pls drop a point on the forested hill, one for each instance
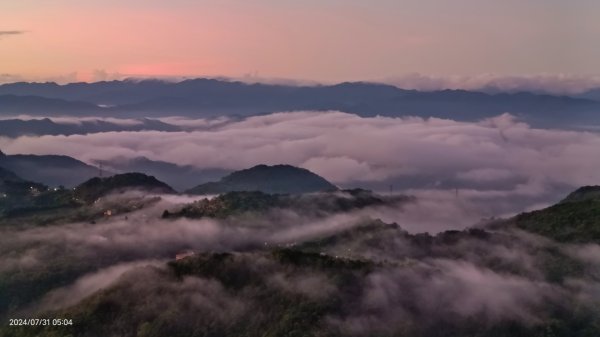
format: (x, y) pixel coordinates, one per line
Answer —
(268, 179)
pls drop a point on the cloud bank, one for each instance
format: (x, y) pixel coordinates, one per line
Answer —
(498, 155)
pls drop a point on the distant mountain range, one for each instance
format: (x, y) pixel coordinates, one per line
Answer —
(54, 171)
(51, 170)
(180, 177)
(43, 106)
(281, 179)
(32, 127)
(20, 199)
(209, 98)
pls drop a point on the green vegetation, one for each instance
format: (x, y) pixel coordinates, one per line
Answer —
(227, 296)
(21, 287)
(576, 219)
(361, 278)
(263, 294)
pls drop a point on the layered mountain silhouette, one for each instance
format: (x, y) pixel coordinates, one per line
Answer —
(45, 126)
(180, 177)
(210, 97)
(52, 170)
(278, 179)
(44, 106)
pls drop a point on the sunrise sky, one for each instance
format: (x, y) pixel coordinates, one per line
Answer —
(322, 40)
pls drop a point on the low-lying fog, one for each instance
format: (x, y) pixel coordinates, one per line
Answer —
(452, 275)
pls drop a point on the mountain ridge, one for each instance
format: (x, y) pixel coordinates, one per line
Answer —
(176, 176)
(97, 187)
(575, 219)
(210, 97)
(276, 179)
(53, 170)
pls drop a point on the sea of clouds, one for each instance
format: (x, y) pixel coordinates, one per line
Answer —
(499, 157)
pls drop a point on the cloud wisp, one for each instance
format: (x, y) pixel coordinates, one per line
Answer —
(4, 33)
(414, 282)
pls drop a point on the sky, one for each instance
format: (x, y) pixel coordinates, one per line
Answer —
(320, 40)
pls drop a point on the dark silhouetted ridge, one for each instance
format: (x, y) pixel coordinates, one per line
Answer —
(98, 187)
(277, 179)
(583, 193)
(52, 170)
